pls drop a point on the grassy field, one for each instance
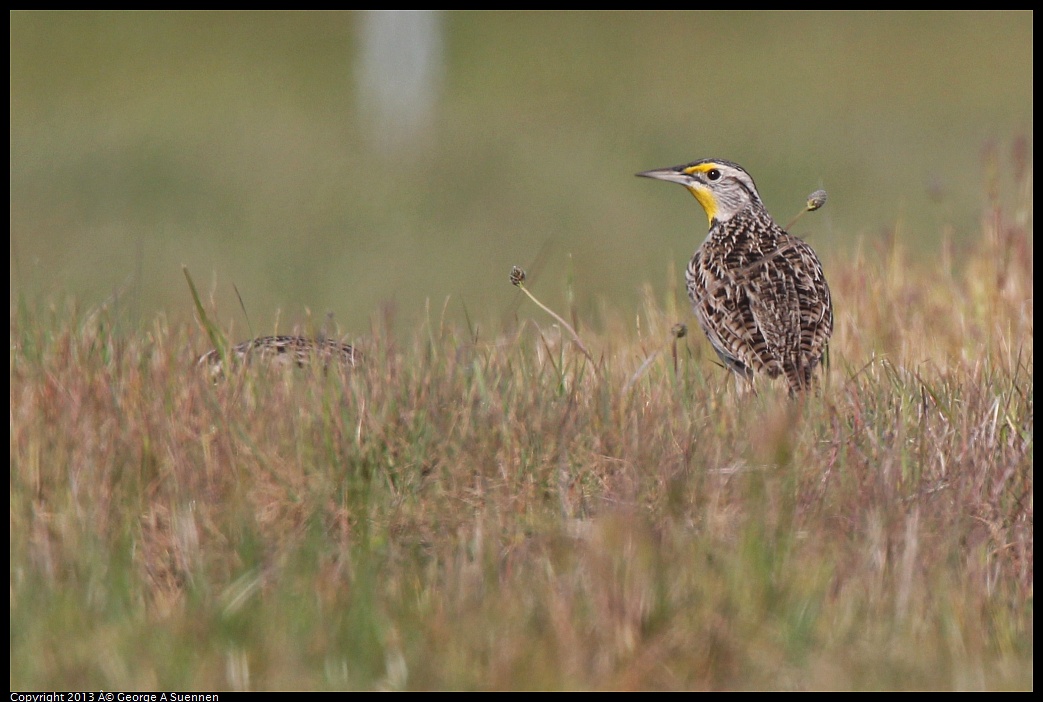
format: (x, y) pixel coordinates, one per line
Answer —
(473, 512)
(481, 504)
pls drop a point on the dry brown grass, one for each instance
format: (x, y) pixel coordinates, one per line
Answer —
(492, 513)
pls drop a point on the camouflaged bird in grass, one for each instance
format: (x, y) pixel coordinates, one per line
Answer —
(286, 350)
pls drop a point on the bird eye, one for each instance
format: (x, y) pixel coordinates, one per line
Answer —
(713, 174)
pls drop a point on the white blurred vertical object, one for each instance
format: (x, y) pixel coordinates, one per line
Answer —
(400, 72)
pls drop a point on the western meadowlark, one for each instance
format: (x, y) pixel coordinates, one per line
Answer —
(286, 350)
(759, 293)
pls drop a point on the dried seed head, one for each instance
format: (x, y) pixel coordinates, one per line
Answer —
(679, 330)
(816, 200)
(517, 275)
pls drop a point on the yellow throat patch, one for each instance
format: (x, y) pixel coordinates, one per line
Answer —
(703, 194)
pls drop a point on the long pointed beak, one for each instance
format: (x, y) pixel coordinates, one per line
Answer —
(670, 174)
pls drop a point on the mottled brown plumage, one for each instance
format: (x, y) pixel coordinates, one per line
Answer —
(758, 292)
(286, 350)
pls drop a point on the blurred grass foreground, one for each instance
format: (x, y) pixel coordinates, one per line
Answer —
(483, 503)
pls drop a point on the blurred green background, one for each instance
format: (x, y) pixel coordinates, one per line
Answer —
(346, 162)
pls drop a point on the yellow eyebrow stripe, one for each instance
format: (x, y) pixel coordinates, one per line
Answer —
(701, 168)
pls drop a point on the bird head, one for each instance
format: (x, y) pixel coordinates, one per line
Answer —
(723, 188)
